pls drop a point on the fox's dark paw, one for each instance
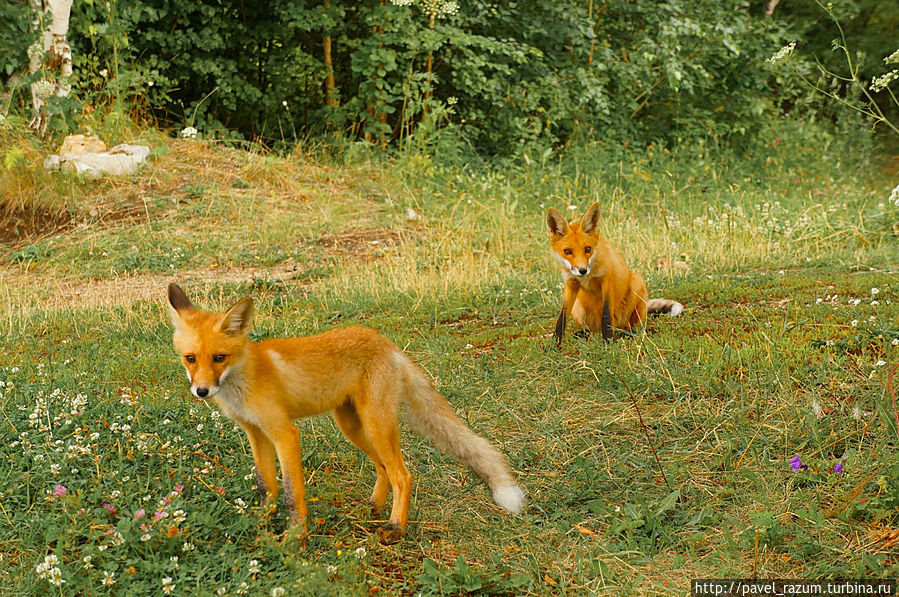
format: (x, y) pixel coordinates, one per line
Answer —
(582, 334)
(375, 508)
(298, 533)
(391, 533)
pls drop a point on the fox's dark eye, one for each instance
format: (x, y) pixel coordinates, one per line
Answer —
(219, 358)
(587, 249)
(190, 358)
(568, 251)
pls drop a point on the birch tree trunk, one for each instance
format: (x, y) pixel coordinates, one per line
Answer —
(52, 54)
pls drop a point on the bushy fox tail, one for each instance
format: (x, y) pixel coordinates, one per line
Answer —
(433, 417)
(672, 308)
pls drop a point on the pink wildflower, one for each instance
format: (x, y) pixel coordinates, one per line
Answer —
(59, 491)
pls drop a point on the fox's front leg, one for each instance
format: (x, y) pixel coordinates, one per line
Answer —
(606, 323)
(286, 439)
(264, 458)
(569, 294)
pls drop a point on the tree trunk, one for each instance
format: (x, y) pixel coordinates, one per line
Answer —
(53, 55)
(330, 85)
(770, 5)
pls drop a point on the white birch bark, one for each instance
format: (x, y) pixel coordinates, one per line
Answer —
(51, 54)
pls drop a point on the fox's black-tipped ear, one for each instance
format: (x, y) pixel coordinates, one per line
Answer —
(555, 223)
(590, 219)
(178, 302)
(238, 321)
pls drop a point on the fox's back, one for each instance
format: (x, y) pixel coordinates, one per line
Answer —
(314, 374)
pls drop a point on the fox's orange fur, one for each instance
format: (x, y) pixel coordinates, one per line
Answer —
(356, 374)
(601, 292)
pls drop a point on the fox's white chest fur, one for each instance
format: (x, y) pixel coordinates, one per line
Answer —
(231, 398)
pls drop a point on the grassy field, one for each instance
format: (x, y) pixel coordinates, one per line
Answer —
(114, 478)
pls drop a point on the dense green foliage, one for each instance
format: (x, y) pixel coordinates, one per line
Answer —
(499, 74)
(14, 37)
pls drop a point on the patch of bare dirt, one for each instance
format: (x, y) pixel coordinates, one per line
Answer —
(363, 241)
(125, 290)
(16, 230)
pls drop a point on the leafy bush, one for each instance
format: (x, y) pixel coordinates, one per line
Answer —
(502, 74)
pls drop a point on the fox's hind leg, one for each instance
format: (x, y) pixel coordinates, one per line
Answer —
(379, 423)
(347, 420)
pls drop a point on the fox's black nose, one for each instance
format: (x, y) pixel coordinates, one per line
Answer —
(202, 392)
(582, 270)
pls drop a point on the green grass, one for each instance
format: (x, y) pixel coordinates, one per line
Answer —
(784, 350)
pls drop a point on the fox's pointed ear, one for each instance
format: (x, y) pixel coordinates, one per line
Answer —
(238, 321)
(555, 223)
(178, 302)
(590, 219)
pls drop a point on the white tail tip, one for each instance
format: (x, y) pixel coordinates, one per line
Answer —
(676, 309)
(510, 498)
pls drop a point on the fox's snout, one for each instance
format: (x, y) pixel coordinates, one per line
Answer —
(207, 375)
(204, 383)
(203, 391)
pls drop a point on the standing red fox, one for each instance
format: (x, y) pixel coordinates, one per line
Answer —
(355, 373)
(601, 292)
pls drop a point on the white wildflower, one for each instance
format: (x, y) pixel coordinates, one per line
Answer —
(817, 409)
(108, 578)
(782, 53)
(883, 81)
(189, 132)
(167, 585)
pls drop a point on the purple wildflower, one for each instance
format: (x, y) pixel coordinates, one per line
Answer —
(140, 513)
(838, 467)
(110, 508)
(59, 491)
(796, 463)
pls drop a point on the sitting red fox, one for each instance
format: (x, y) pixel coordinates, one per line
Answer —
(355, 373)
(600, 291)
